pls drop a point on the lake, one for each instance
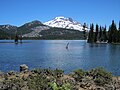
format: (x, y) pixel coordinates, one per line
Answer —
(53, 54)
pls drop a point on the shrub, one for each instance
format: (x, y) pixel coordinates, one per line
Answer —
(101, 76)
(38, 82)
(58, 73)
(65, 86)
(78, 74)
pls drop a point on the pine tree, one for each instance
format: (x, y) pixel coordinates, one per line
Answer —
(104, 34)
(100, 34)
(109, 35)
(96, 33)
(119, 26)
(91, 34)
(84, 30)
(119, 32)
(112, 33)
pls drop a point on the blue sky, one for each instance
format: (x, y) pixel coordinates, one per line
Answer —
(18, 12)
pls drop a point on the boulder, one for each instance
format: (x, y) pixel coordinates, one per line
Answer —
(23, 68)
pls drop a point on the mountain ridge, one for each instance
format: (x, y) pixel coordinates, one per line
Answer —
(40, 30)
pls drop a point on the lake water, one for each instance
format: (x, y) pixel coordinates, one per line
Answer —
(53, 54)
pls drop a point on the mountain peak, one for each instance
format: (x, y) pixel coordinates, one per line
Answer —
(36, 21)
(64, 22)
(32, 24)
(61, 18)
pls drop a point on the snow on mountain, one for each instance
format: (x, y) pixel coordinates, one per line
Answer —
(63, 22)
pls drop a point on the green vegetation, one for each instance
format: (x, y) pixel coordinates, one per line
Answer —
(91, 34)
(112, 35)
(84, 30)
(47, 79)
(38, 82)
(100, 76)
(78, 74)
(4, 35)
(9, 29)
(65, 86)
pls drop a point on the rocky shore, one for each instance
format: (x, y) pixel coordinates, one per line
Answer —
(48, 79)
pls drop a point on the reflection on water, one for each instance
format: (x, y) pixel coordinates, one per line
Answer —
(53, 53)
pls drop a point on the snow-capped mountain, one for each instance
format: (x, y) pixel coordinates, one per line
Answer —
(36, 29)
(63, 22)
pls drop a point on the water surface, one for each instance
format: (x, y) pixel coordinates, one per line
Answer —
(53, 54)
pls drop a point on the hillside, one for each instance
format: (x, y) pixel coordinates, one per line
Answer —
(4, 35)
(60, 33)
(28, 27)
(9, 29)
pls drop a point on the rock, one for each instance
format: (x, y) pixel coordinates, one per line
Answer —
(83, 84)
(71, 81)
(23, 68)
(100, 88)
(109, 87)
(17, 75)
(11, 73)
(92, 87)
(59, 83)
(117, 85)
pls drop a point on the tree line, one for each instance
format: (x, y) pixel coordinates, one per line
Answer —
(101, 34)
